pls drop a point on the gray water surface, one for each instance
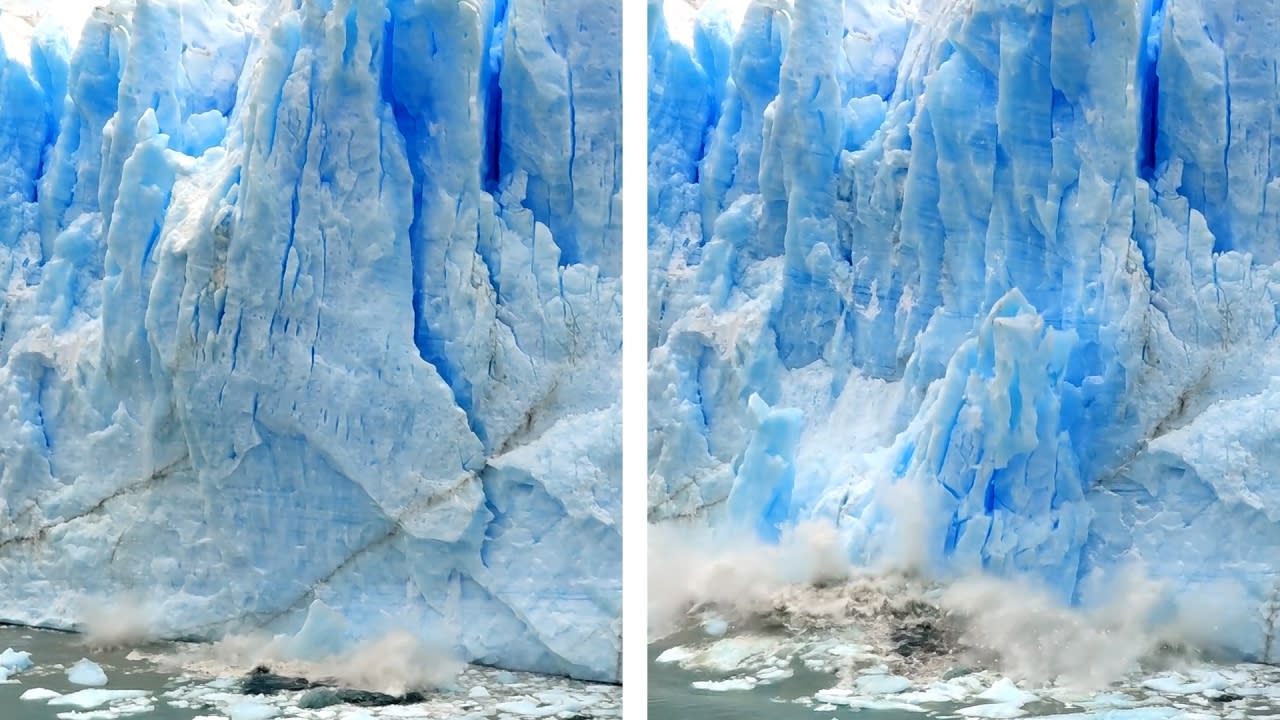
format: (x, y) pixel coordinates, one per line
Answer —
(476, 693)
(53, 652)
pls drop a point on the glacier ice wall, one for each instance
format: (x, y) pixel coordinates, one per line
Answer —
(317, 300)
(1009, 267)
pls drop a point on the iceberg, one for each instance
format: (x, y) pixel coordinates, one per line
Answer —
(991, 286)
(315, 302)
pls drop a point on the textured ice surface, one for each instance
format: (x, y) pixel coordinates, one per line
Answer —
(15, 660)
(86, 672)
(40, 694)
(316, 301)
(990, 285)
(87, 699)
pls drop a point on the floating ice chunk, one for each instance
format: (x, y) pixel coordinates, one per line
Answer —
(739, 683)
(853, 651)
(529, 707)
(866, 703)
(251, 711)
(87, 672)
(504, 678)
(730, 654)
(126, 709)
(716, 626)
(1106, 701)
(39, 694)
(479, 692)
(937, 692)
(90, 699)
(1160, 713)
(994, 710)
(774, 674)
(1179, 684)
(15, 661)
(834, 696)
(882, 684)
(1004, 691)
(674, 655)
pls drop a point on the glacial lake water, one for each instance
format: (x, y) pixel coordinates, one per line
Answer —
(170, 693)
(771, 677)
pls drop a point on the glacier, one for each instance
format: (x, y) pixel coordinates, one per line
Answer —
(991, 286)
(312, 309)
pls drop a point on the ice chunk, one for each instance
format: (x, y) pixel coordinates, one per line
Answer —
(247, 710)
(727, 685)
(675, 655)
(1004, 691)
(877, 684)
(15, 660)
(89, 699)
(715, 626)
(39, 694)
(1177, 684)
(993, 710)
(86, 672)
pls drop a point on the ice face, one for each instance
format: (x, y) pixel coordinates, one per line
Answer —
(1008, 270)
(316, 303)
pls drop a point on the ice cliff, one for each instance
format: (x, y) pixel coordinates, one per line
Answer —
(316, 304)
(992, 285)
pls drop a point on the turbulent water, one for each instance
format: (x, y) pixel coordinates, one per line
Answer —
(767, 669)
(741, 629)
(186, 682)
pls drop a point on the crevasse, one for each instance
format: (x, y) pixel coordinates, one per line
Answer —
(1016, 258)
(317, 301)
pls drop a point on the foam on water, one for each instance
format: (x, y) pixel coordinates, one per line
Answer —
(977, 647)
(151, 680)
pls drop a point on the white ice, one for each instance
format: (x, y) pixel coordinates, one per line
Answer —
(86, 672)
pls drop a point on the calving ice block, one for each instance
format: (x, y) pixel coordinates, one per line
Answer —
(1009, 271)
(315, 302)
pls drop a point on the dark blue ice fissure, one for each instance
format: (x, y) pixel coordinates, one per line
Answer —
(1149, 79)
(491, 74)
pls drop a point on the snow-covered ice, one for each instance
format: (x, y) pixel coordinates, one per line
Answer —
(35, 694)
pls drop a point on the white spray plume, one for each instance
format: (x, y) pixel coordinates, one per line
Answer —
(691, 566)
(126, 620)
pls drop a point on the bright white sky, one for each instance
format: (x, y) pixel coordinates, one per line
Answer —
(680, 15)
(18, 20)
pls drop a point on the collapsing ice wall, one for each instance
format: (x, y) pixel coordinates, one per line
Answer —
(317, 301)
(995, 278)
